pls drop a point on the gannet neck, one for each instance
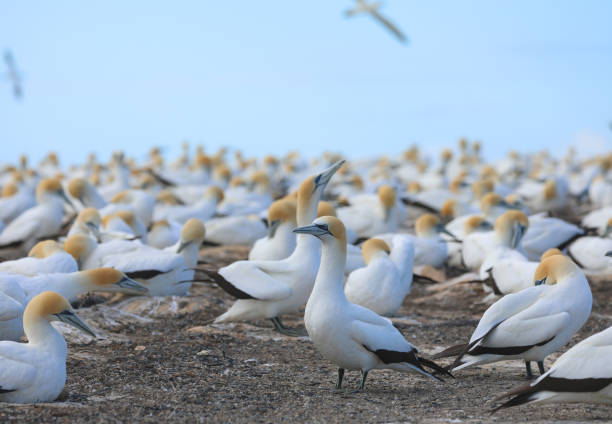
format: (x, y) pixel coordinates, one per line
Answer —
(68, 285)
(306, 246)
(331, 271)
(40, 332)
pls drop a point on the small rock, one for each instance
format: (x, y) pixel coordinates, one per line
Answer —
(140, 347)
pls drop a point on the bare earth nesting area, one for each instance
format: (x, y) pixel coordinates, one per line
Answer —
(161, 360)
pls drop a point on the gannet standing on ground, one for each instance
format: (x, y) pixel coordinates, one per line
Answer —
(532, 323)
(582, 374)
(280, 241)
(40, 221)
(269, 289)
(387, 277)
(351, 336)
(36, 371)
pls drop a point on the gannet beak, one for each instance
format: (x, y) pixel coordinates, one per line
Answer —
(609, 253)
(314, 229)
(67, 200)
(517, 235)
(442, 229)
(323, 178)
(540, 282)
(486, 225)
(131, 285)
(95, 230)
(182, 246)
(71, 318)
(272, 228)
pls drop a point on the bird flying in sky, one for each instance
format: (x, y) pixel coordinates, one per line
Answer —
(13, 74)
(361, 6)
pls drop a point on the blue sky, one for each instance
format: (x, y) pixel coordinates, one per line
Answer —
(268, 76)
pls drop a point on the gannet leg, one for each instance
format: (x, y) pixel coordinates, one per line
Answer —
(287, 331)
(541, 367)
(364, 375)
(340, 376)
(528, 368)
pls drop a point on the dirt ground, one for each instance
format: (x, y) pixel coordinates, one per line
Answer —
(161, 360)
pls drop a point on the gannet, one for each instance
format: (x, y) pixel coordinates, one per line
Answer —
(600, 192)
(280, 241)
(36, 371)
(387, 277)
(44, 258)
(124, 224)
(532, 323)
(461, 228)
(546, 232)
(163, 234)
(85, 194)
(40, 221)
(590, 254)
(515, 274)
(351, 336)
(235, 230)
(269, 289)
(368, 217)
(88, 222)
(582, 374)
(203, 209)
(13, 301)
(14, 201)
(599, 219)
(549, 195)
(429, 247)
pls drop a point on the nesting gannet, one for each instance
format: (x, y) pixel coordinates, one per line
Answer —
(590, 254)
(546, 232)
(233, 230)
(600, 191)
(40, 221)
(461, 228)
(599, 219)
(13, 301)
(163, 234)
(582, 374)
(511, 275)
(368, 218)
(139, 202)
(203, 209)
(269, 289)
(549, 195)
(280, 241)
(387, 277)
(85, 194)
(510, 226)
(88, 222)
(123, 224)
(351, 336)
(14, 201)
(36, 371)
(429, 247)
(44, 258)
(532, 323)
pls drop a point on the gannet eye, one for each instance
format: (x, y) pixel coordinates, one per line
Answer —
(324, 227)
(317, 180)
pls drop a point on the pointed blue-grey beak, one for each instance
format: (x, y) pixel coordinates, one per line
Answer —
(323, 178)
(131, 286)
(540, 282)
(609, 253)
(71, 318)
(314, 229)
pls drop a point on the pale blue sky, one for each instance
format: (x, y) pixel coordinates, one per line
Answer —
(268, 76)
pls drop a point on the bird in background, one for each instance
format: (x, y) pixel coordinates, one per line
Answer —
(372, 9)
(13, 74)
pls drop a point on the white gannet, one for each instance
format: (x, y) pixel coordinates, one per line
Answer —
(370, 217)
(461, 229)
(36, 371)
(233, 230)
(203, 209)
(546, 232)
(599, 219)
(351, 336)
(590, 254)
(88, 222)
(123, 224)
(582, 374)
(515, 274)
(269, 289)
(163, 234)
(13, 301)
(280, 241)
(429, 247)
(14, 201)
(532, 323)
(44, 258)
(139, 202)
(85, 193)
(387, 277)
(40, 221)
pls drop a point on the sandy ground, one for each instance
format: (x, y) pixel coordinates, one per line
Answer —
(161, 360)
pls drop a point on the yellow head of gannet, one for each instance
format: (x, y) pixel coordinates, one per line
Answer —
(476, 223)
(372, 248)
(283, 210)
(428, 225)
(50, 306)
(608, 229)
(305, 208)
(457, 184)
(79, 245)
(386, 195)
(167, 197)
(89, 220)
(214, 192)
(50, 187)
(553, 269)
(193, 232)
(510, 227)
(448, 210)
(9, 190)
(489, 201)
(414, 187)
(446, 155)
(44, 249)
(126, 216)
(77, 187)
(482, 187)
(356, 182)
(327, 229)
(223, 173)
(110, 280)
(411, 154)
(550, 252)
(325, 209)
(550, 190)
(463, 144)
(162, 223)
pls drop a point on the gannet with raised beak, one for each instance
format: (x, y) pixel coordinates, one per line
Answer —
(269, 289)
(387, 277)
(532, 323)
(582, 374)
(351, 336)
(280, 241)
(40, 221)
(36, 371)
(44, 258)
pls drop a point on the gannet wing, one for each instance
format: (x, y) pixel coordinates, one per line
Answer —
(9, 308)
(380, 18)
(14, 374)
(21, 228)
(516, 332)
(254, 281)
(144, 259)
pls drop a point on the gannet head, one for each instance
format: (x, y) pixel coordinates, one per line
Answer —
(414, 187)
(126, 216)
(373, 248)
(463, 143)
(356, 182)
(482, 187)
(325, 209)
(386, 195)
(328, 229)
(122, 197)
(9, 190)
(77, 187)
(550, 190)
(51, 306)
(167, 197)
(281, 211)
(110, 280)
(476, 223)
(457, 184)
(428, 225)
(554, 268)
(80, 246)
(310, 192)
(491, 200)
(448, 209)
(44, 249)
(49, 188)
(514, 201)
(550, 252)
(161, 224)
(446, 155)
(192, 233)
(214, 192)
(223, 173)
(510, 227)
(90, 219)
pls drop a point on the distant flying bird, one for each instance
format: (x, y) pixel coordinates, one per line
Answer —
(13, 74)
(372, 9)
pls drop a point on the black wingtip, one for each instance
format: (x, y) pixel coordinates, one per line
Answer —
(451, 351)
